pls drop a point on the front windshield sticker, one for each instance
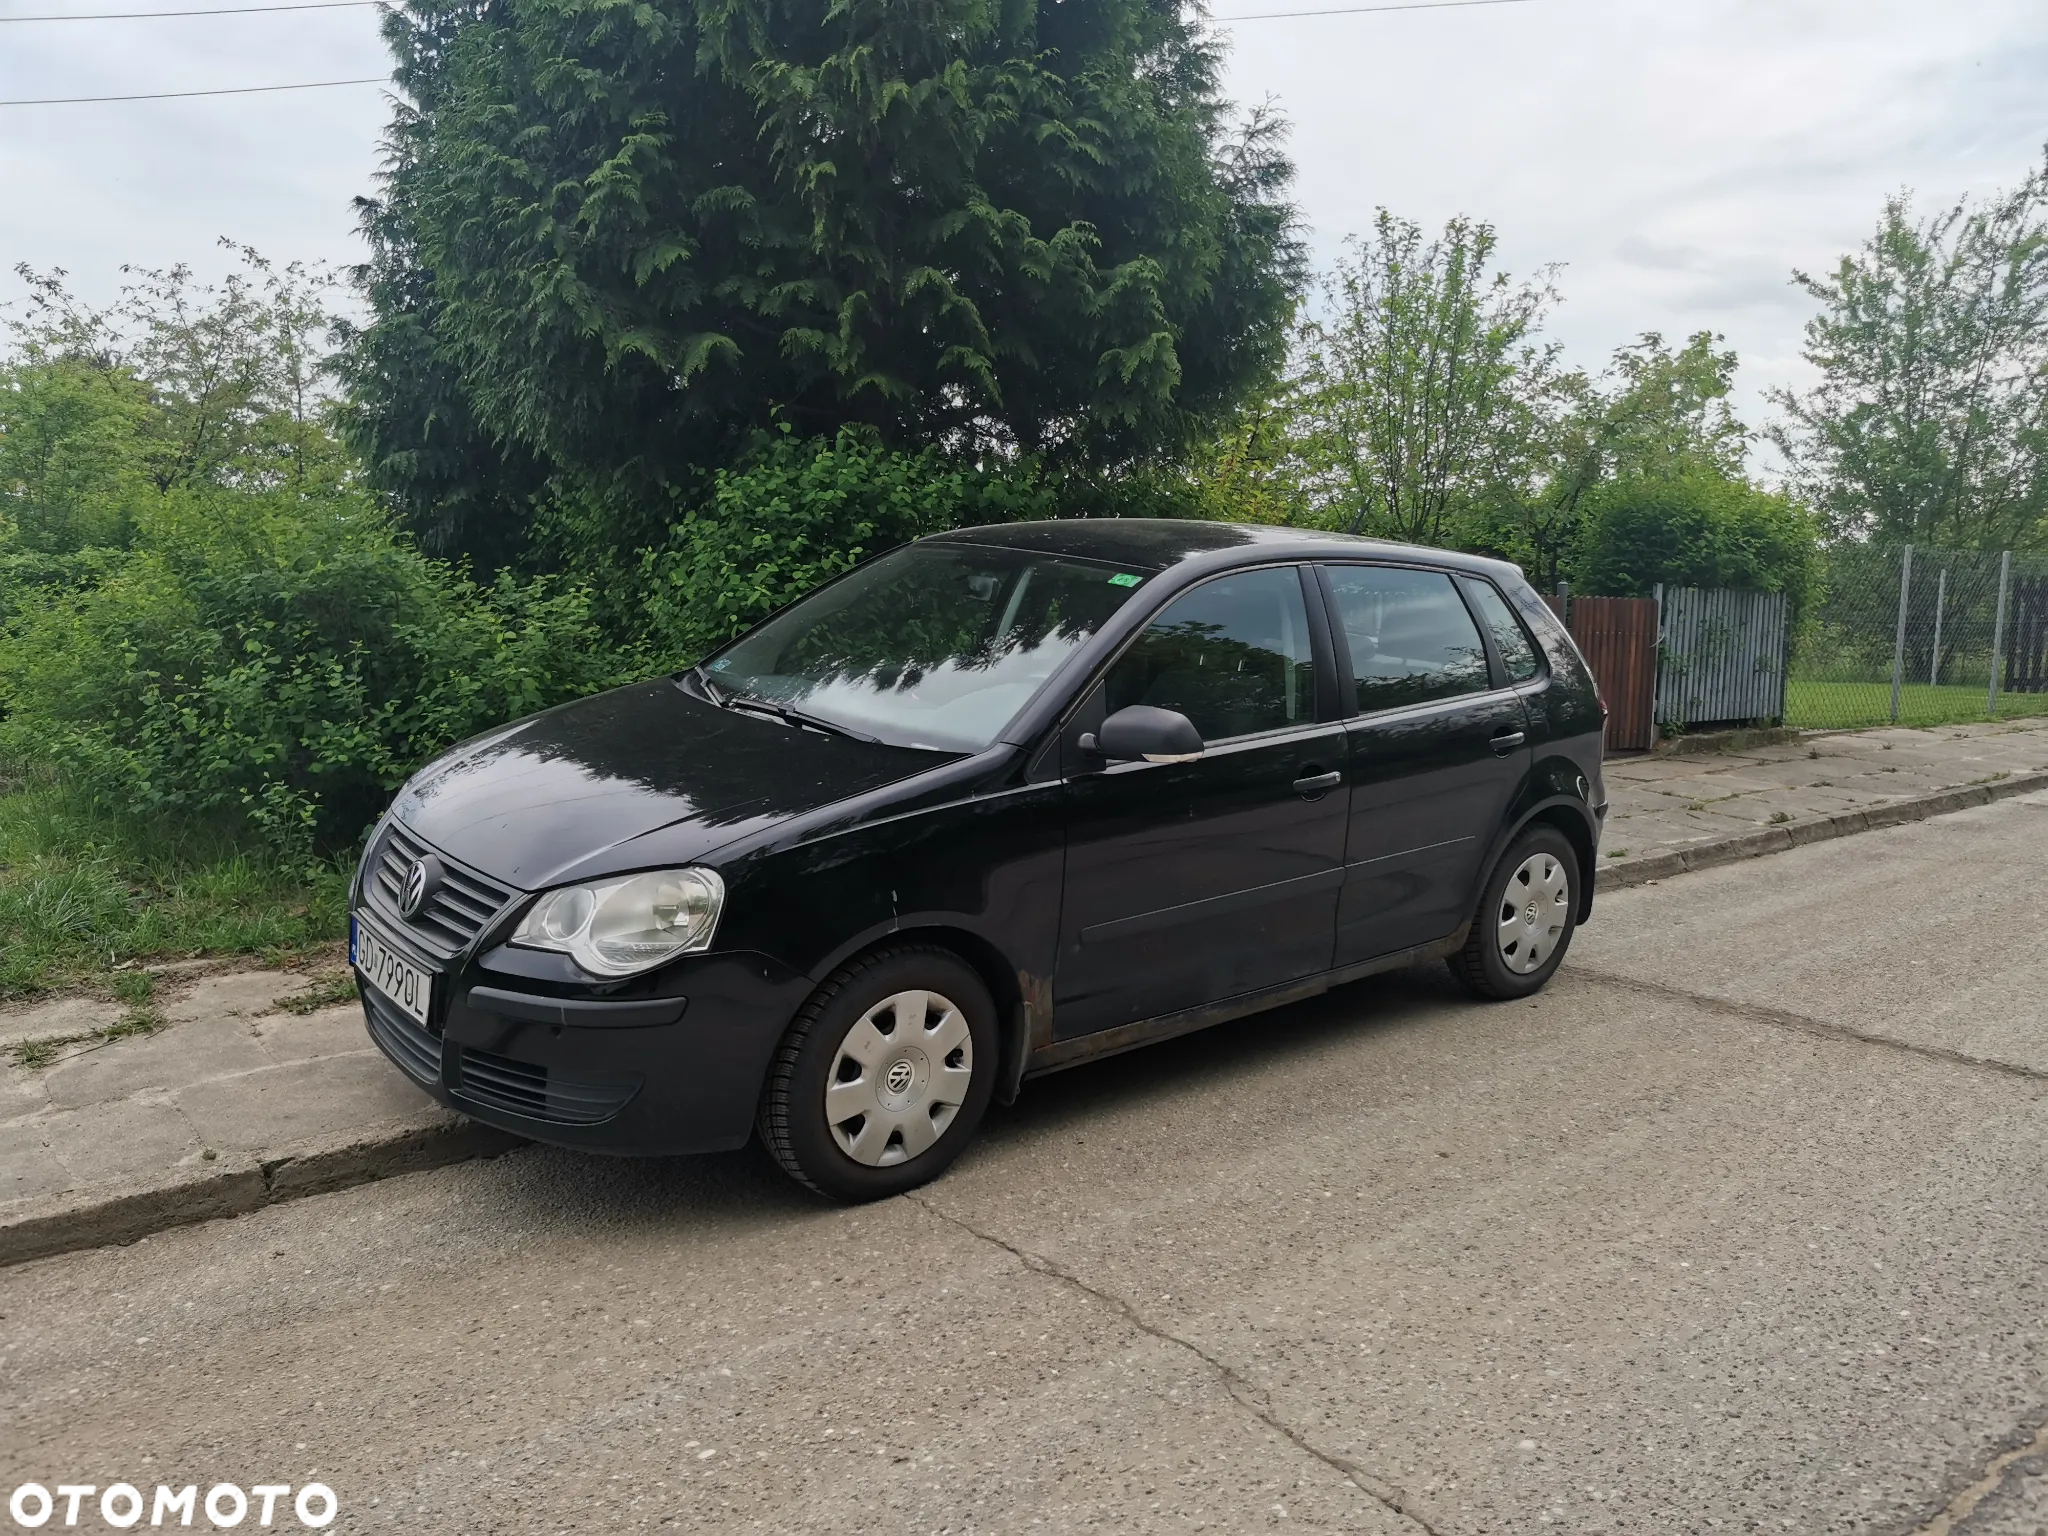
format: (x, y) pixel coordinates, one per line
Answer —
(1125, 579)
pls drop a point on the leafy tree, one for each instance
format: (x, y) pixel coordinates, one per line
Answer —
(1247, 474)
(407, 415)
(617, 241)
(1930, 420)
(1414, 391)
(1669, 409)
(1657, 412)
(202, 384)
(72, 466)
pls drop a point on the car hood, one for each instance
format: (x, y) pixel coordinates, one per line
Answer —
(567, 794)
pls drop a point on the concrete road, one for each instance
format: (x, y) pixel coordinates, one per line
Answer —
(1742, 1226)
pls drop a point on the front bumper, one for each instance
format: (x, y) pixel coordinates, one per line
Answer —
(639, 1088)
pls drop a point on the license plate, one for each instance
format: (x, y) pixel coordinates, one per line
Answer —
(409, 986)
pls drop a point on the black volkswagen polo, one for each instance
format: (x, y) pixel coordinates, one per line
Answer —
(995, 803)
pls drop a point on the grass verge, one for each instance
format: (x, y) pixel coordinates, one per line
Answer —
(82, 892)
(1819, 706)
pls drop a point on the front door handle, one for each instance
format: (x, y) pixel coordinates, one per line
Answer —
(1505, 742)
(1313, 784)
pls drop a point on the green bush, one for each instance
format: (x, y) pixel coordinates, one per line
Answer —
(1696, 528)
(801, 513)
(279, 659)
(28, 577)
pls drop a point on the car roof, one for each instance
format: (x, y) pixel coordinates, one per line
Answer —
(1161, 543)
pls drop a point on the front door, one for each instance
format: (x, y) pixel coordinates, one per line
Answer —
(1437, 751)
(1189, 883)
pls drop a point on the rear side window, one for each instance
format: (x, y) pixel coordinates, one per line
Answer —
(1517, 650)
(1232, 655)
(1410, 637)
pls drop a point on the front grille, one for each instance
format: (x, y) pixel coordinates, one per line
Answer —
(417, 1053)
(453, 915)
(543, 1093)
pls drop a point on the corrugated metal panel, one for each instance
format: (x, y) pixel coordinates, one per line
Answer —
(1619, 638)
(1723, 657)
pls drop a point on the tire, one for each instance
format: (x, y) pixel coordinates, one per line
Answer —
(1528, 911)
(862, 1101)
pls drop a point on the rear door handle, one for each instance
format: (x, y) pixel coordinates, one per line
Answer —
(1505, 742)
(1313, 784)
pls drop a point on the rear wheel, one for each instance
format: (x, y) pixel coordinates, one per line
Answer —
(1527, 915)
(883, 1076)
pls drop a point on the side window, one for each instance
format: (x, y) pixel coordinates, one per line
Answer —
(1517, 650)
(1410, 637)
(1232, 655)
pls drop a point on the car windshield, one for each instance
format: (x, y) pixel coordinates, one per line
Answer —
(935, 645)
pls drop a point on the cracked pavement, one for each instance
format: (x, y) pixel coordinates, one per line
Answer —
(1738, 1227)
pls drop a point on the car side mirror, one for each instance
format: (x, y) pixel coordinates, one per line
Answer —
(1138, 732)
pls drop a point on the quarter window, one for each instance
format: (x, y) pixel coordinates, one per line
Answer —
(1517, 650)
(1410, 637)
(1232, 655)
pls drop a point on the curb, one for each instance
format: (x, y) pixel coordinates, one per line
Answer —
(1798, 834)
(64, 1223)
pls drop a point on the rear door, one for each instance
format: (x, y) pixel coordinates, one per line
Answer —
(1438, 745)
(1188, 883)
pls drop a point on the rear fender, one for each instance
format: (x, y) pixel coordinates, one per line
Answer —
(1555, 791)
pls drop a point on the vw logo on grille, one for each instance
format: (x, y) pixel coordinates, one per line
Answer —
(421, 881)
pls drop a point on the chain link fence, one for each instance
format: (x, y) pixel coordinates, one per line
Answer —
(1915, 635)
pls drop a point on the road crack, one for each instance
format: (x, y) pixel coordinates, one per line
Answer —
(1806, 1024)
(1243, 1392)
(1964, 1504)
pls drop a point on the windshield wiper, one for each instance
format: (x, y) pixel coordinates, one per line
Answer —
(797, 717)
(712, 691)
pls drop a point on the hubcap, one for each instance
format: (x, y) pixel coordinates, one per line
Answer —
(1533, 912)
(899, 1078)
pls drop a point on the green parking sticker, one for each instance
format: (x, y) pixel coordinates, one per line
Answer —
(1124, 579)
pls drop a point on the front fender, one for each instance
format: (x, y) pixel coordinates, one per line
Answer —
(981, 875)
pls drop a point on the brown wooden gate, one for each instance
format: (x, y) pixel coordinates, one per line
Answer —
(1619, 637)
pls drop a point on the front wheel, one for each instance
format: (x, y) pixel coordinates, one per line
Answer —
(883, 1076)
(1527, 915)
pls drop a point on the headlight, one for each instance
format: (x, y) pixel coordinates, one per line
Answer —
(618, 927)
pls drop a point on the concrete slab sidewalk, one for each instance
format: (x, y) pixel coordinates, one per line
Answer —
(232, 1103)
(236, 1102)
(1679, 811)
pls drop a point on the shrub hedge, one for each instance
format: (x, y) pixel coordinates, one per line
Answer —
(800, 513)
(1696, 528)
(281, 658)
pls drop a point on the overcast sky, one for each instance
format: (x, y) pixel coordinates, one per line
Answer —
(1677, 157)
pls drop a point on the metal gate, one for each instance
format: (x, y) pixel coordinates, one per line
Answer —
(1723, 657)
(1619, 638)
(2026, 649)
